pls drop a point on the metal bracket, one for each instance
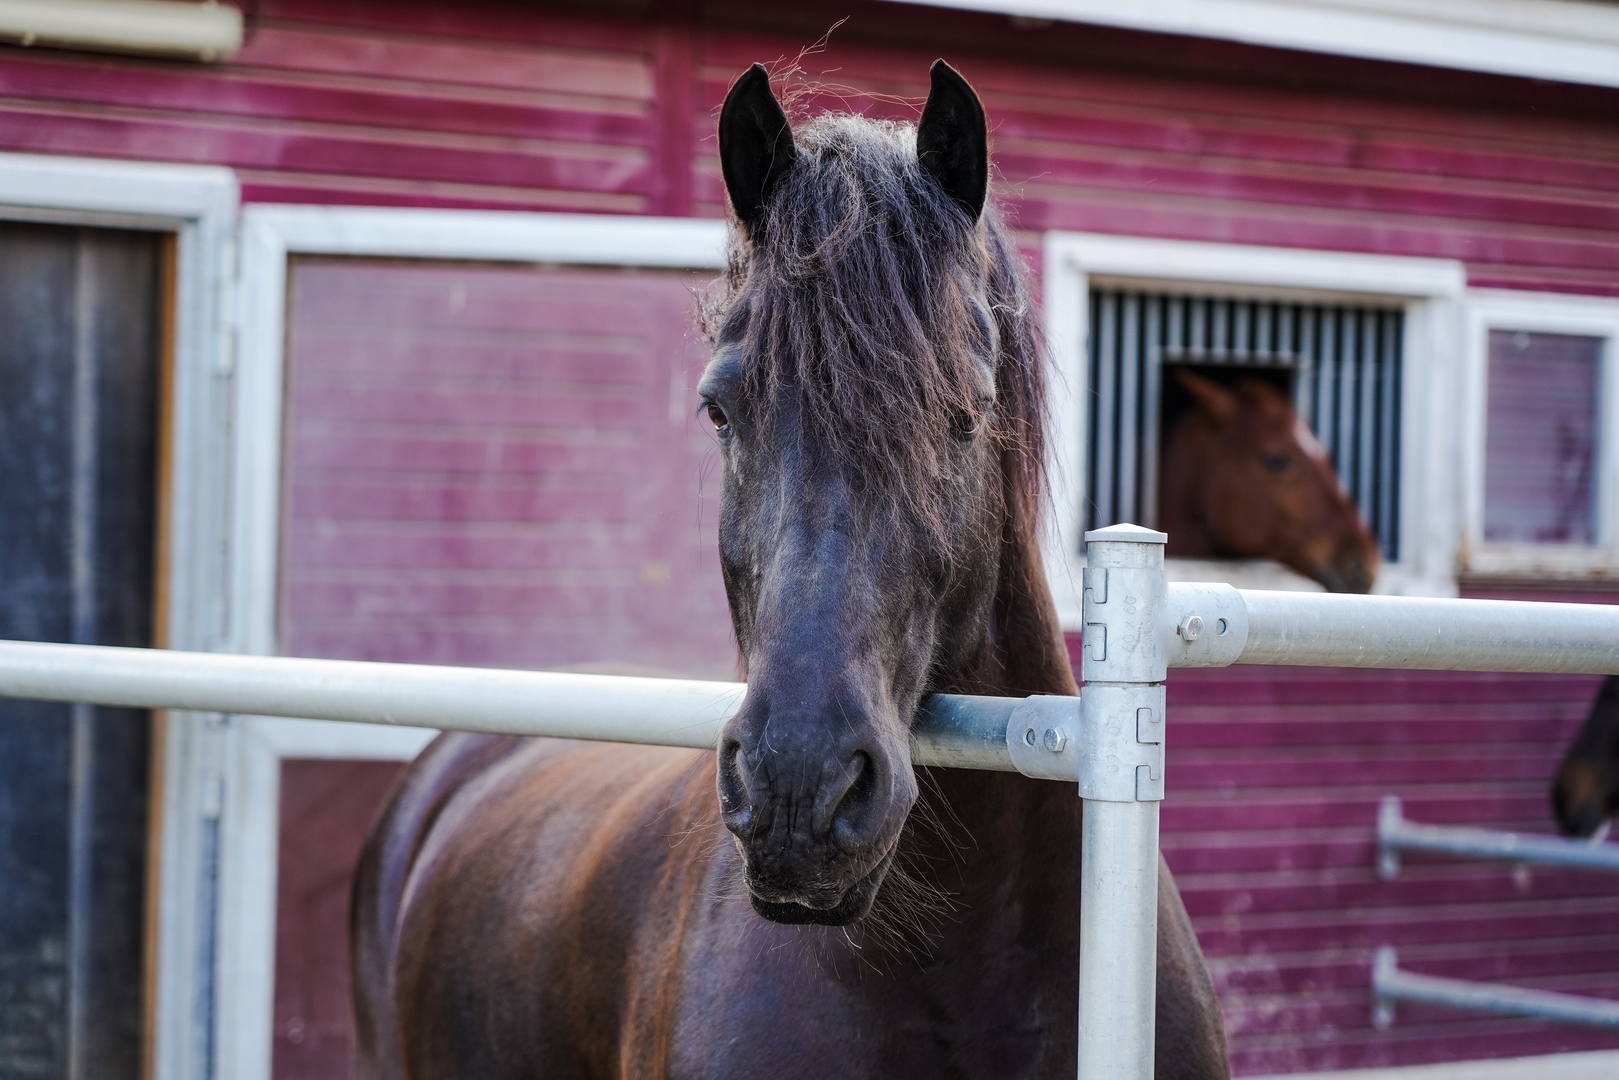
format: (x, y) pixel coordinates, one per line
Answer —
(1042, 735)
(1203, 624)
(1122, 642)
(1124, 663)
(1123, 756)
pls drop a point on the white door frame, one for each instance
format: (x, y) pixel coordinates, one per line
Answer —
(1430, 292)
(197, 204)
(256, 745)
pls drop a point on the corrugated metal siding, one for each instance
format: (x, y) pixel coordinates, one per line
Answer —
(1524, 196)
(420, 102)
(433, 104)
(1269, 826)
(498, 465)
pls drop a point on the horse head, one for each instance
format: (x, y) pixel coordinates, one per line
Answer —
(1586, 791)
(1243, 476)
(871, 385)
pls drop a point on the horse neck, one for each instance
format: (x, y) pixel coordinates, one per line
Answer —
(1187, 451)
(1022, 653)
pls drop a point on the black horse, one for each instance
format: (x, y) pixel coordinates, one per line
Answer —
(546, 908)
(1586, 791)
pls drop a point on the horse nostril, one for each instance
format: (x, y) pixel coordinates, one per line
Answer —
(735, 806)
(845, 807)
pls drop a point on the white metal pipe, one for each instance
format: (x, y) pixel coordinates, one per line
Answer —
(1339, 630)
(967, 732)
(1390, 984)
(1118, 940)
(1396, 834)
(202, 31)
(1121, 779)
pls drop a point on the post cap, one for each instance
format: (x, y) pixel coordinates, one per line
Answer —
(1127, 533)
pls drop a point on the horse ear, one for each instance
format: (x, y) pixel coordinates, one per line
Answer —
(756, 145)
(952, 139)
(1216, 401)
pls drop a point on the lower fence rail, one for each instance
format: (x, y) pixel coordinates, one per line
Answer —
(1395, 834)
(1110, 739)
(1389, 984)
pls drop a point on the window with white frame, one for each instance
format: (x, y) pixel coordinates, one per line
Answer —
(1338, 363)
(1541, 453)
(1363, 345)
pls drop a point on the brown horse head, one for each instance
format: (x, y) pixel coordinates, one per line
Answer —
(875, 391)
(1586, 791)
(1244, 477)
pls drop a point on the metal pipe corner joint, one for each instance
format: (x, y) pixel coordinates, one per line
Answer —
(1121, 778)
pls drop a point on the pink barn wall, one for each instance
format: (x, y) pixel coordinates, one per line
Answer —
(1274, 775)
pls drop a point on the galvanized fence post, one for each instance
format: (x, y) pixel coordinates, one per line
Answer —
(1121, 780)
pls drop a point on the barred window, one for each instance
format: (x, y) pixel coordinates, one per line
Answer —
(1339, 363)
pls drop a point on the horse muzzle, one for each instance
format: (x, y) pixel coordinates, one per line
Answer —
(816, 810)
(820, 903)
(1579, 799)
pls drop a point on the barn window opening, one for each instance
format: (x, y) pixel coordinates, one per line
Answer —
(1540, 441)
(1339, 363)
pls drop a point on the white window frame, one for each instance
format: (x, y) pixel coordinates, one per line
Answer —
(255, 746)
(1428, 290)
(1552, 313)
(197, 205)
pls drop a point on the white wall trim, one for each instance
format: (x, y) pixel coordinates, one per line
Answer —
(270, 235)
(1428, 289)
(253, 748)
(1558, 313)
(198, 206)
(1575, 41)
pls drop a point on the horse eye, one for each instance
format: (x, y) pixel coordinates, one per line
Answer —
(716, 415)
(1277, 463)
(965, 425)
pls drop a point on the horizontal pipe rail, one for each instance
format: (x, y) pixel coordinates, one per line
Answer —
(1395, 834)
(1390, 984)
(967, 732)
(1246, 626)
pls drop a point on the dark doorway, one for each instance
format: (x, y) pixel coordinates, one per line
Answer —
(81, 341)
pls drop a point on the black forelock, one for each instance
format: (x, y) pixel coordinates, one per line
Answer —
(866, 306)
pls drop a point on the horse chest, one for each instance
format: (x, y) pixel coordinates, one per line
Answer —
(796, 1012)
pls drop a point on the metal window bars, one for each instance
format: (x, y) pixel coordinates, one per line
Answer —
(1111, 740)
(1344, 364)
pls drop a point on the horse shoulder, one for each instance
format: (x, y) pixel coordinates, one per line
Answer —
(543, 917)
(385, 860)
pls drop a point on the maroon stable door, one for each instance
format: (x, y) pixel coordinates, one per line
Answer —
(487, 465)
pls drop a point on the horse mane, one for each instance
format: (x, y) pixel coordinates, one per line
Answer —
(854, 310)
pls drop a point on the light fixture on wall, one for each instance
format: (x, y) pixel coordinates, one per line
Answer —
(201, 31)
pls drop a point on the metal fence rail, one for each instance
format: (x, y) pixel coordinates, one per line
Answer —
(1389, 984)
(968, 732)
(1110, 739)
(1395, 834)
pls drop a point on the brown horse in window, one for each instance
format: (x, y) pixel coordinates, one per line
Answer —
(531, 908)
(1242, 476)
